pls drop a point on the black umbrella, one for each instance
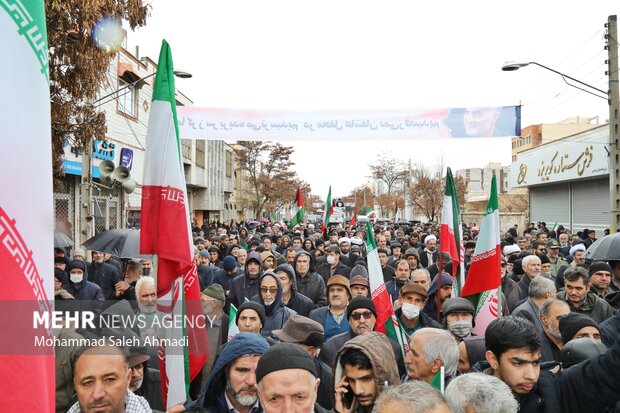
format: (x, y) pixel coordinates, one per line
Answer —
(62, 240)
(605, 249)
(122, 243)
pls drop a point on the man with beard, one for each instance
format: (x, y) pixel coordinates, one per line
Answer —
(334, 316)
(438, 293)
(232, 382)
(297, 302)
(105, 275)
(145, 381)
(401, 277)
(246, 285)
(578, 296)
(270, 296)
(429, 254)
(551, 339)
(532, 267)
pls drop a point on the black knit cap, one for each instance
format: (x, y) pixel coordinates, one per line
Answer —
(361, 302)
(284, 356)
(597, 266)
(252, 305)
(571, 323)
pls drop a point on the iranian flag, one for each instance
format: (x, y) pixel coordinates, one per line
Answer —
(26, 209)
(395, 212)
(166, 232)
(233, 329)
(450, 235)
(387, 323)
(482, 285)
(298, 211)
(353, 221)
(329, 210)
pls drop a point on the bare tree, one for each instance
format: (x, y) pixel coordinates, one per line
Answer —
(388, 170)
(270, 174)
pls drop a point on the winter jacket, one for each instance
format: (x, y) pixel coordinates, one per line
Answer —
(277, 313)
(85, 290)
(530, 311)
(393, 288)
(594, 307)
(301, 304)
(324, 270)
(324, 392)
(242, 344)
(105, 276)
(243, 286)
(312, 284)
(330, 349)
(225, 280)
(430, 309)
(376, 347)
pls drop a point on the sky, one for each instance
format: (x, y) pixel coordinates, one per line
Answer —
(385, 55)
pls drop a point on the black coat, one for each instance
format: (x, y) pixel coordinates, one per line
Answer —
(324, 392)
(105, 276)
(324, 271)
(151, 389)
(301, 304)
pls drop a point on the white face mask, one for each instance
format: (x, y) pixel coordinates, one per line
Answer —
(331, 260)
(461, 328)
(410, 311)
(76, 278)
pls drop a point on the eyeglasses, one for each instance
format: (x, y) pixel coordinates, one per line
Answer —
(272, 290)
(357, 316)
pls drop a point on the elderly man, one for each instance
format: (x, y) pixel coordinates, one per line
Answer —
(290, 297)
(421, 276)
(411, 300)
(532, 267)
(411, 397)
(540, 290)
(287, 381)
(309, 335)
(478, 392)
(551, 311)
(250, 317)
(102, 376)
(334, 316)
(232, 382)
(270, 296)
(362, 316)
(429, 350)
(458, 317)
(579, 297)
(360, 286)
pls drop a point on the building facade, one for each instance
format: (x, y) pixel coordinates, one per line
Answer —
(208, 165)
(568, 180)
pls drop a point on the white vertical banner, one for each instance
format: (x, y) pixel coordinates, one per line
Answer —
(26, 206)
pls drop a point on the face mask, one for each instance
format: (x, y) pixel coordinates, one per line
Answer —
(331, 260)
(460, 328)
(410, 311)
(76, 278)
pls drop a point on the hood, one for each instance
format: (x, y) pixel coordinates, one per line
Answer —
(288, 268)
(230, 247)
(278, 302)
(378, 349)
(253, 256)
(445, 280)
(241, 344)
(306, 253)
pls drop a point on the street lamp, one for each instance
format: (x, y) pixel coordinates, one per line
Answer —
(512, 66)
(613, 99)
(87, 170)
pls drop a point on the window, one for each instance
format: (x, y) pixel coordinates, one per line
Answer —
(228, 164)
(127, 98)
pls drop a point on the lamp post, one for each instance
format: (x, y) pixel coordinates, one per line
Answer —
(86, 215)
(613, 98)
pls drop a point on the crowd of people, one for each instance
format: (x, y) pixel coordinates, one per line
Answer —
(302, 304)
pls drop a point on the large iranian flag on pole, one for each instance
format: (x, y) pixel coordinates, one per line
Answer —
(165, 232)
(26, 209)
(450, 235)
(395, 212)
(298, 211)
(387, 323)
(329, 210)
(482, 285)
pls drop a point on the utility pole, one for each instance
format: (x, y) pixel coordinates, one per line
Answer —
(614, 132)
(86, 190)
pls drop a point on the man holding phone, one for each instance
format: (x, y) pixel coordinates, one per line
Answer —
(364, 367)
